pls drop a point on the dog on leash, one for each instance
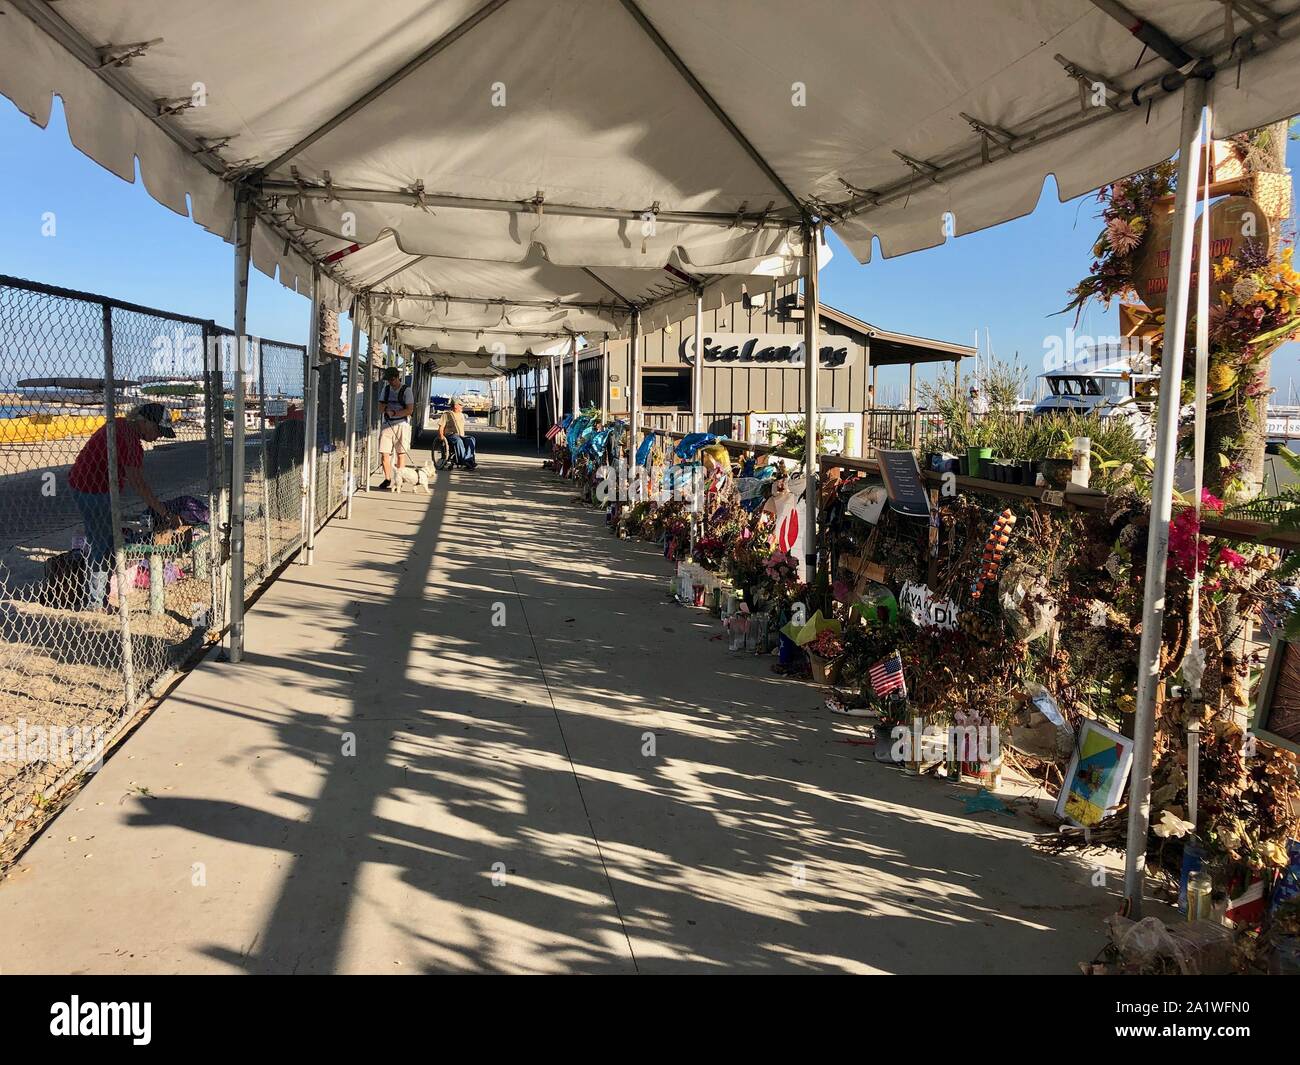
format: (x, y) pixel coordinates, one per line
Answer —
(417, 476)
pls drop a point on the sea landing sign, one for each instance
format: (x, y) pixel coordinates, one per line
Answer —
(764, 349)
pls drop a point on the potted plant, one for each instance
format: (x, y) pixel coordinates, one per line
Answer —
(823, 655)
(1056, 471)
(1059, 463)
(976, 459)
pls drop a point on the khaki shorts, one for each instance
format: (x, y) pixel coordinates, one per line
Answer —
(395, 437)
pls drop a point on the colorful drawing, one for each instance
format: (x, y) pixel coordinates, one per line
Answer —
(1098, 772)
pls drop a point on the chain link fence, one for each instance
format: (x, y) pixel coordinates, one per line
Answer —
(114, 554)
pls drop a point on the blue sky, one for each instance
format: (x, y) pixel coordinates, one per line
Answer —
(112, 238)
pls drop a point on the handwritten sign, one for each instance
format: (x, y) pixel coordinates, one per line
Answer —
(926, 609)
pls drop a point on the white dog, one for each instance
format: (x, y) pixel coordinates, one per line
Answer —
(420, 476)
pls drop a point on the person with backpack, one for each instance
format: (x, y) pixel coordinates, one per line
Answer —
(396, 404)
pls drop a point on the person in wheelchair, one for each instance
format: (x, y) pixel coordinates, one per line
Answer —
(451, 432)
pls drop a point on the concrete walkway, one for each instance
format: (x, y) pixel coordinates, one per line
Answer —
(475, 736)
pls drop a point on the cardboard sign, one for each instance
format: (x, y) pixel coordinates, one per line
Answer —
(867, 504)
(838, 433)
(1234, 222)
(902, 476)
(926, 609)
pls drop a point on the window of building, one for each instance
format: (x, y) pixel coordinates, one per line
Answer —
(667, 388)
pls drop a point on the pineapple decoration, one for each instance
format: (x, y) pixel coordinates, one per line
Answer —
(994, 549)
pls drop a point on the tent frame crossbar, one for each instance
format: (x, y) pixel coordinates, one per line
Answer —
(1250, 42)
(538, 205)
(118, 78)
(1259, 37)
(501, 301)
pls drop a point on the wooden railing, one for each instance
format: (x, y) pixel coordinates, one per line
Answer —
(1073, 496)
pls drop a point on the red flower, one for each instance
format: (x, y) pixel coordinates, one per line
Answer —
(1228, 557)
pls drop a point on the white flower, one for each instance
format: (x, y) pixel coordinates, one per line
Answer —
(1172, 825)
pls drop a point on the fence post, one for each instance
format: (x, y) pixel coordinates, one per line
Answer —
(216, 438)
(350, 433)
(311, 381)
(115, 509)
(266, 480)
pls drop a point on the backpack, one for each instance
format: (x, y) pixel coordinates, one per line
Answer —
(403, 396)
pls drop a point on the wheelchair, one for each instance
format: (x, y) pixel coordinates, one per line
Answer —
(447, 457)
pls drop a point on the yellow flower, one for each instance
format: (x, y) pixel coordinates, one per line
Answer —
(1275, 853)
(1221, 378)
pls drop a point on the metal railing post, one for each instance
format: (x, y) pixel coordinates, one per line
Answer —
(115, 510)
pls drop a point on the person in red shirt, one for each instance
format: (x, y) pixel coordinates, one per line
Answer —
(88, 480)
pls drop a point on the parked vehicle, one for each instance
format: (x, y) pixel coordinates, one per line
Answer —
(1109, 381)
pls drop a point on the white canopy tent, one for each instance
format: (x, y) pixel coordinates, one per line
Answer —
(632, 133)
(454, 139)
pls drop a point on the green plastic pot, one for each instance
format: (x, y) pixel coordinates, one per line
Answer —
(975, 459)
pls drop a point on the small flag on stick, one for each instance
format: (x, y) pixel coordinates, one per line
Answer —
(887, 676)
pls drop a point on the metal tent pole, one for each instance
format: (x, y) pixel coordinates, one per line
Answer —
(311, 390)
(537, 401)
(557, 382)
(369, 384)
(634, 385)
(243, 246)
(697, 365)
(811, 345)
(350, 429)
(576, 401)
(604, 380)
(1162, 483)
(115, 513)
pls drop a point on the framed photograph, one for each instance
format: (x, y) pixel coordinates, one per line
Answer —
(1277, 703)
(1096, 776)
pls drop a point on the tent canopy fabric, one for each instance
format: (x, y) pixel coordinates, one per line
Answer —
(530, 296)
(624, 137)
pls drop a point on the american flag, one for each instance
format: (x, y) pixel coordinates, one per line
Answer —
(552, 432)
(887, 676)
